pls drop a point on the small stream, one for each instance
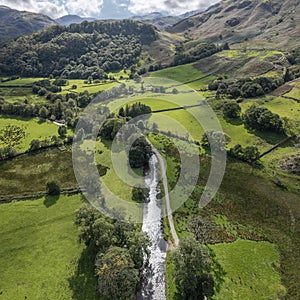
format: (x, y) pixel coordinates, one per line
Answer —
(154, 287)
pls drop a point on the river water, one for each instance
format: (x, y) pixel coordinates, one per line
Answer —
(154, 288)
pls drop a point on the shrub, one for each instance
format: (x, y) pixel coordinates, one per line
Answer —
(52, 188)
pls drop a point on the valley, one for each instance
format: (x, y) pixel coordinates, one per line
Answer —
(234, 71)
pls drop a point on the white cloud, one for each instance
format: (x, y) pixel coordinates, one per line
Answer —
(84, 8)
(52, 9)
(109, 8)
(170, 6)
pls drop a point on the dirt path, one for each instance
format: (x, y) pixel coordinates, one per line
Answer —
(166, 190)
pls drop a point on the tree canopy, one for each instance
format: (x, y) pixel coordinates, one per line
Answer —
(77, 51)
(193, 270)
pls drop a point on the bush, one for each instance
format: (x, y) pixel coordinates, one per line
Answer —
(261, 118)
(139, 194)
(248, 154)
(52, 188)
(231, 109)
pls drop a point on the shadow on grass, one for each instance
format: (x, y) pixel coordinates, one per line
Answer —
(234, 121)
(50, 200)
(270, 137)
(84, 283)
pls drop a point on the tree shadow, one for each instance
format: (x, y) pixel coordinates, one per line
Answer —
(234, 121)
(50, 200)
(272, 138)
(84, 282)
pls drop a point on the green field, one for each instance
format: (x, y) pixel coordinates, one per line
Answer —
(19, 90)
(34, 128)
(285, 108)
(40, 255)
(295, 92)
(185, 74)
(251, 270)
(31, 172)
(91, 88)
(20, 82)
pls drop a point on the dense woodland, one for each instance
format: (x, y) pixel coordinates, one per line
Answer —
(77, 51)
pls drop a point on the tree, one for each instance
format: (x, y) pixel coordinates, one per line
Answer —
(111, 127)
(34, 145)
(261, 118)
(248, 154)
(90, 80)
(193, 270)
(117, 277)
(7, 152)
(231, 109)
(139, 153)
(52, 188)
(43, 112)
(62, 131)
(12, 135)
(139, 194)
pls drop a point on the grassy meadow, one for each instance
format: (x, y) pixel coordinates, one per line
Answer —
(185, 74)
(40, 255)
(34, 129)
(31, 172)
(251, 271)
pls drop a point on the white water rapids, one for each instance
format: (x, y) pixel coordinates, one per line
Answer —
(154, 288)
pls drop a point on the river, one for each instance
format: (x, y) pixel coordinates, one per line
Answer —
(155, 287)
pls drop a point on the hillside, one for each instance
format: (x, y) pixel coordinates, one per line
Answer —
(14, 23)
(162, 21)
(77, 51)
(275, 22)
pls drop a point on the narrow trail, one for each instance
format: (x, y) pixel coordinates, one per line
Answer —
(166, 190)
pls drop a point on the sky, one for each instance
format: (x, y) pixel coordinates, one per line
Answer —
(107, 8)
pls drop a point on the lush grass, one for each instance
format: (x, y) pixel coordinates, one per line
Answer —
(20, 82)
(34, 128)
(111, 179)
(170, 285)
(295, 92)
(91, 88)
(184, 74)
(181, 122)
(114, 179)
(250, 267)
(40, 256)
(31, 172)
(251, 270)
(19, 90)
(285, 108)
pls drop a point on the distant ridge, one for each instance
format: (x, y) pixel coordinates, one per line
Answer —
(14, 23)
(72, 19)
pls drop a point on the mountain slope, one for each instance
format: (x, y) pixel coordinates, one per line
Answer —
(14, 23)
(77, 51)
(276, 22)
(163, 21)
